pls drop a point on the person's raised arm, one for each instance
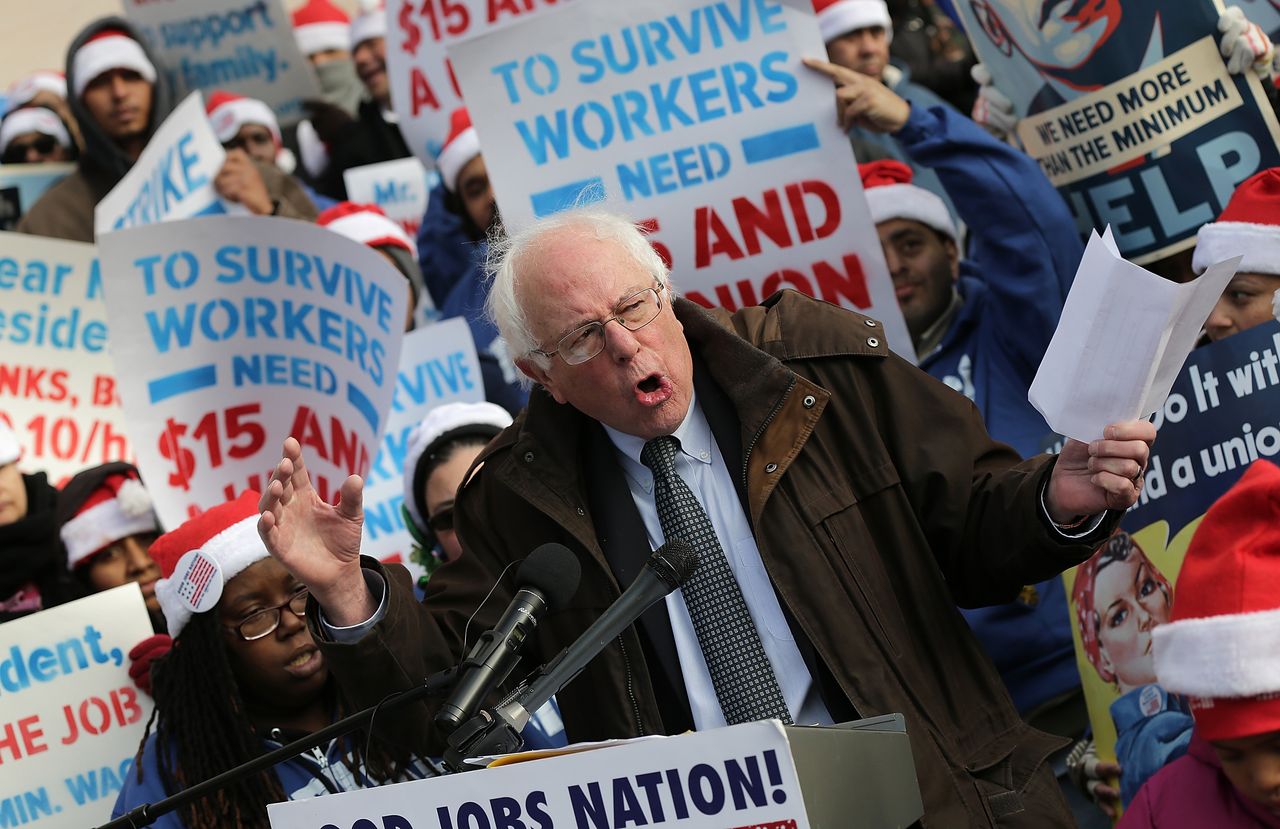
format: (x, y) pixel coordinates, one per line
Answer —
(317, 542)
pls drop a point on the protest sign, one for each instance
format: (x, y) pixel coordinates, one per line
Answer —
(424, 90)
(70, 716)
(438, 365)
(742, 776)
(241, 46)
(172, 179)
(22, 185)
(401, 188)
(1133, 117)
(719, 141)
(1266, 13)
(1222, 414)
(57, 381)
(230, 334)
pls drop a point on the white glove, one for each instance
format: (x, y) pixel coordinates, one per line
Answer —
(992, 109)
(1244, 44)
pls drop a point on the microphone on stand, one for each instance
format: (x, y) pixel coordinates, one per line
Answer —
(547, 579)
(498, 731)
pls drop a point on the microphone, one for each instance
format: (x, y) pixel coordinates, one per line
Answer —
(548, 578)
(668, 568)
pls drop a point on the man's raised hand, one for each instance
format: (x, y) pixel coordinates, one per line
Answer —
(317, 542)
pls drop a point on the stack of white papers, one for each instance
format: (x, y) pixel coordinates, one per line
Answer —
(1121, 341)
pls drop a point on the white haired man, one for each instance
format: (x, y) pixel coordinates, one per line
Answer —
(842, 501)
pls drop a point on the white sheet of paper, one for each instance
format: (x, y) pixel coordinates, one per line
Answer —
(1123, 336)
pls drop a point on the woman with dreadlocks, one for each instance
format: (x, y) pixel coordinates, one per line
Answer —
(243, 678)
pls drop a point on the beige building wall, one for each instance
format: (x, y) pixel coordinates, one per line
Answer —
(36, 33)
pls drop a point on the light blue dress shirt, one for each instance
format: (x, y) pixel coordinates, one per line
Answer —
(701, 466)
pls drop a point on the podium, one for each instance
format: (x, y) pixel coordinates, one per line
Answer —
(761, 775)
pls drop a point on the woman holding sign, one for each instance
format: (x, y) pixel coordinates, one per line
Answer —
(244, 677)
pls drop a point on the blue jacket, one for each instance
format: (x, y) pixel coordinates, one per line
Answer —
(1153, 728)
(1022, 256)
(306, 775)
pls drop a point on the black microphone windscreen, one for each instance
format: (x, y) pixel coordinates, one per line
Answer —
(674, 562)
(553, 571)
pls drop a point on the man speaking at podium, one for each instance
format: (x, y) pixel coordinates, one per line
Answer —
(841, 503)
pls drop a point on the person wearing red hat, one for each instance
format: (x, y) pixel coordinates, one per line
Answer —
(369, 225)
(35, 135)
(33, 570)
(107, 525)
(374, 135)
(242, 678)
(48, 89)
(1221, 649)
(1248, 226)
(119, 98)
(323, 33)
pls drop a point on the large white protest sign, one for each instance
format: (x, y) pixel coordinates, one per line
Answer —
(70, 716)
(424, 90)
(172, 179)
(438, 365)
(57, 381)
(702, 123)
(401, 188)
(731, 777)
(242, 46)
(230, 334)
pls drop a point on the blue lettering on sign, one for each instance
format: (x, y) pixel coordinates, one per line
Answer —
(167, 184)
(387, 192)
(667, 172)
(498, 813)
(45, 664)
(363, 405)
(95, 784)
(282, 370)
(200, 377)
(779, 143)
(574, 194)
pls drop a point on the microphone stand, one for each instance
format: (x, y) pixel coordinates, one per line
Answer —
(436, 685)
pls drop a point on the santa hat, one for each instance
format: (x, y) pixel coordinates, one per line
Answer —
(367, 224)
(24, 90)
(1249, 225)
(101, 506)
(10, 451)
(1221, 645)
(109, 49)
(441, 425)
(32, 119)
(372, 22)
(229, 112)
(201, 556)
(839, 17)
(460, 147)
(891, 195)
(320, 26)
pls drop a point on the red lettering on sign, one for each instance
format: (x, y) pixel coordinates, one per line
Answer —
(420, 92)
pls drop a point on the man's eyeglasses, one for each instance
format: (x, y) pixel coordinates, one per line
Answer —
(16, 153)
(586, 341)
(250, 139)
(264, 622)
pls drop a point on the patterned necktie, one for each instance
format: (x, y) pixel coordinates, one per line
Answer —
(740, 671)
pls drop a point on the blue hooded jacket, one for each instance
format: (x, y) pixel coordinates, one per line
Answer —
(1022, 256)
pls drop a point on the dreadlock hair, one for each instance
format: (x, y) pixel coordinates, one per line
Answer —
(203, 729)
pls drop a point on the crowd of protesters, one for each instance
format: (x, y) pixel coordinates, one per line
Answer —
(982, 251)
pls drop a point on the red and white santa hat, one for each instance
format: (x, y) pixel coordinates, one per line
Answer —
(839, 17)
(10, 450)
(32, 119)
(1221, 645)
(891, 195)
(1249, 225)
(109, 49)
(462, 145)
(370, 23)
(201, 556)
(229, 112)
(24, 90)
(440, 426)
(320, 26)
(367, 224)
(116, 507)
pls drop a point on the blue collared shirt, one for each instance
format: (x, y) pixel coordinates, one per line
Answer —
(701, 466)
